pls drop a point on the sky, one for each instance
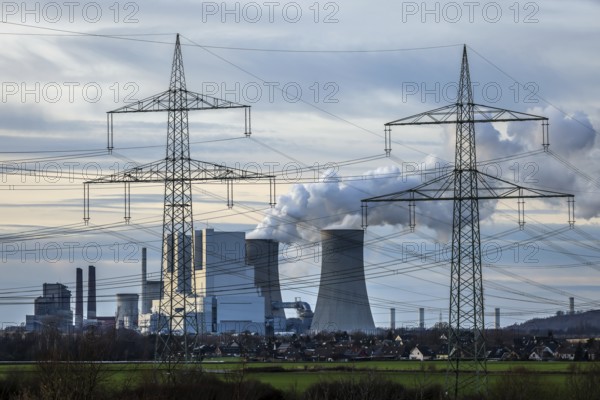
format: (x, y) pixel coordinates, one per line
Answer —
(322, 79)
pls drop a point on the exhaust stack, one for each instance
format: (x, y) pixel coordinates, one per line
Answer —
(79, 298)
(91, 303)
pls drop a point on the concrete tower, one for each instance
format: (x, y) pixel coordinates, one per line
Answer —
(127, 310)
(79, 299)
(91, 303)
(497, 314)
(342, 303)
(263, 255)
(571, 305)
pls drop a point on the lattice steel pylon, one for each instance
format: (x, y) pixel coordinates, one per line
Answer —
(465, 186)
(178, 323)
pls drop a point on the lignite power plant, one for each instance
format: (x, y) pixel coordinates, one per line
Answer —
(237, 287)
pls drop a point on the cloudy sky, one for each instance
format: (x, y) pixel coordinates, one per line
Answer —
(322, 78)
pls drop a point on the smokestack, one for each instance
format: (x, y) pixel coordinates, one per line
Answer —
(393, 319)
(421, 318)
(571, 305)
(79, 298)
(91, 303)
(342, 303)
(263, 255)
(146, 302)
(497, 318)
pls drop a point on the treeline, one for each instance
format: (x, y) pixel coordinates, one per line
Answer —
(113, 345)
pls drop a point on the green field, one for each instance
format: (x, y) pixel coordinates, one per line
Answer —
(299, 376)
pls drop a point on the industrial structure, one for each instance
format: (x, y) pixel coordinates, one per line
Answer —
(151, 290)
(263, 254)
(51, 310)
(91, 302)
(178, 308)
(78, 299)
(304, 315)
(127, 311)
(342, 302)
(465, 186)
(226, 292)
(497, 318)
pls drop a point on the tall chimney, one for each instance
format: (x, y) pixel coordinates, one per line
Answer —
(79, 298)
(91, 303)
(421, 318)
(342, 303)
(571, 305)
(497, 318)
(393, 319)
(146, 302)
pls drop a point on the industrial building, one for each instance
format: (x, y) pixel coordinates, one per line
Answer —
(227, 297)
(51, 310)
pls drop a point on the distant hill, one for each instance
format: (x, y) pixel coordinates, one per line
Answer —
(581, 323)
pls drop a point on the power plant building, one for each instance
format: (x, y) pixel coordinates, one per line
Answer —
(51, 310)
(226, 283)
(227, 298)
(342, 302)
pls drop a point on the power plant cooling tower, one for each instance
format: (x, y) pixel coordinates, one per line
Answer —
(342, 303)
(127, 310)
(263, 255)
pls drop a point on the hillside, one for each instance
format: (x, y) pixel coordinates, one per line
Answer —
(582, 323)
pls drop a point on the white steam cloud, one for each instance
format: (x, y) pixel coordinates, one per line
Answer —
(334, 203)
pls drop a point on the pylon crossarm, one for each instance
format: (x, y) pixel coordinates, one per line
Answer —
(442, 188)
(156, 172)
(441, 115)
(431, 190)
(497, 188)
(481, 113)
(199, 171)
(192, 101)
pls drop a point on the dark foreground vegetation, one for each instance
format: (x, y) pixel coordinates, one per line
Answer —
(83, 367)
(90, 381)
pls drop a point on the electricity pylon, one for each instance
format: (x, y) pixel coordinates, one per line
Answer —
(178, 323)
(465, 186)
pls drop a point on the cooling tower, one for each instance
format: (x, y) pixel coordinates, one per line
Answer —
(127, 310)
(342, 303)
(79, 298)
(263, 255)
(91, 302)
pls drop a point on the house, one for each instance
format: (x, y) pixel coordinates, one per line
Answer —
(421, 353)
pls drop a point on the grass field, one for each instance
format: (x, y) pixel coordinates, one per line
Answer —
(299, 376)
